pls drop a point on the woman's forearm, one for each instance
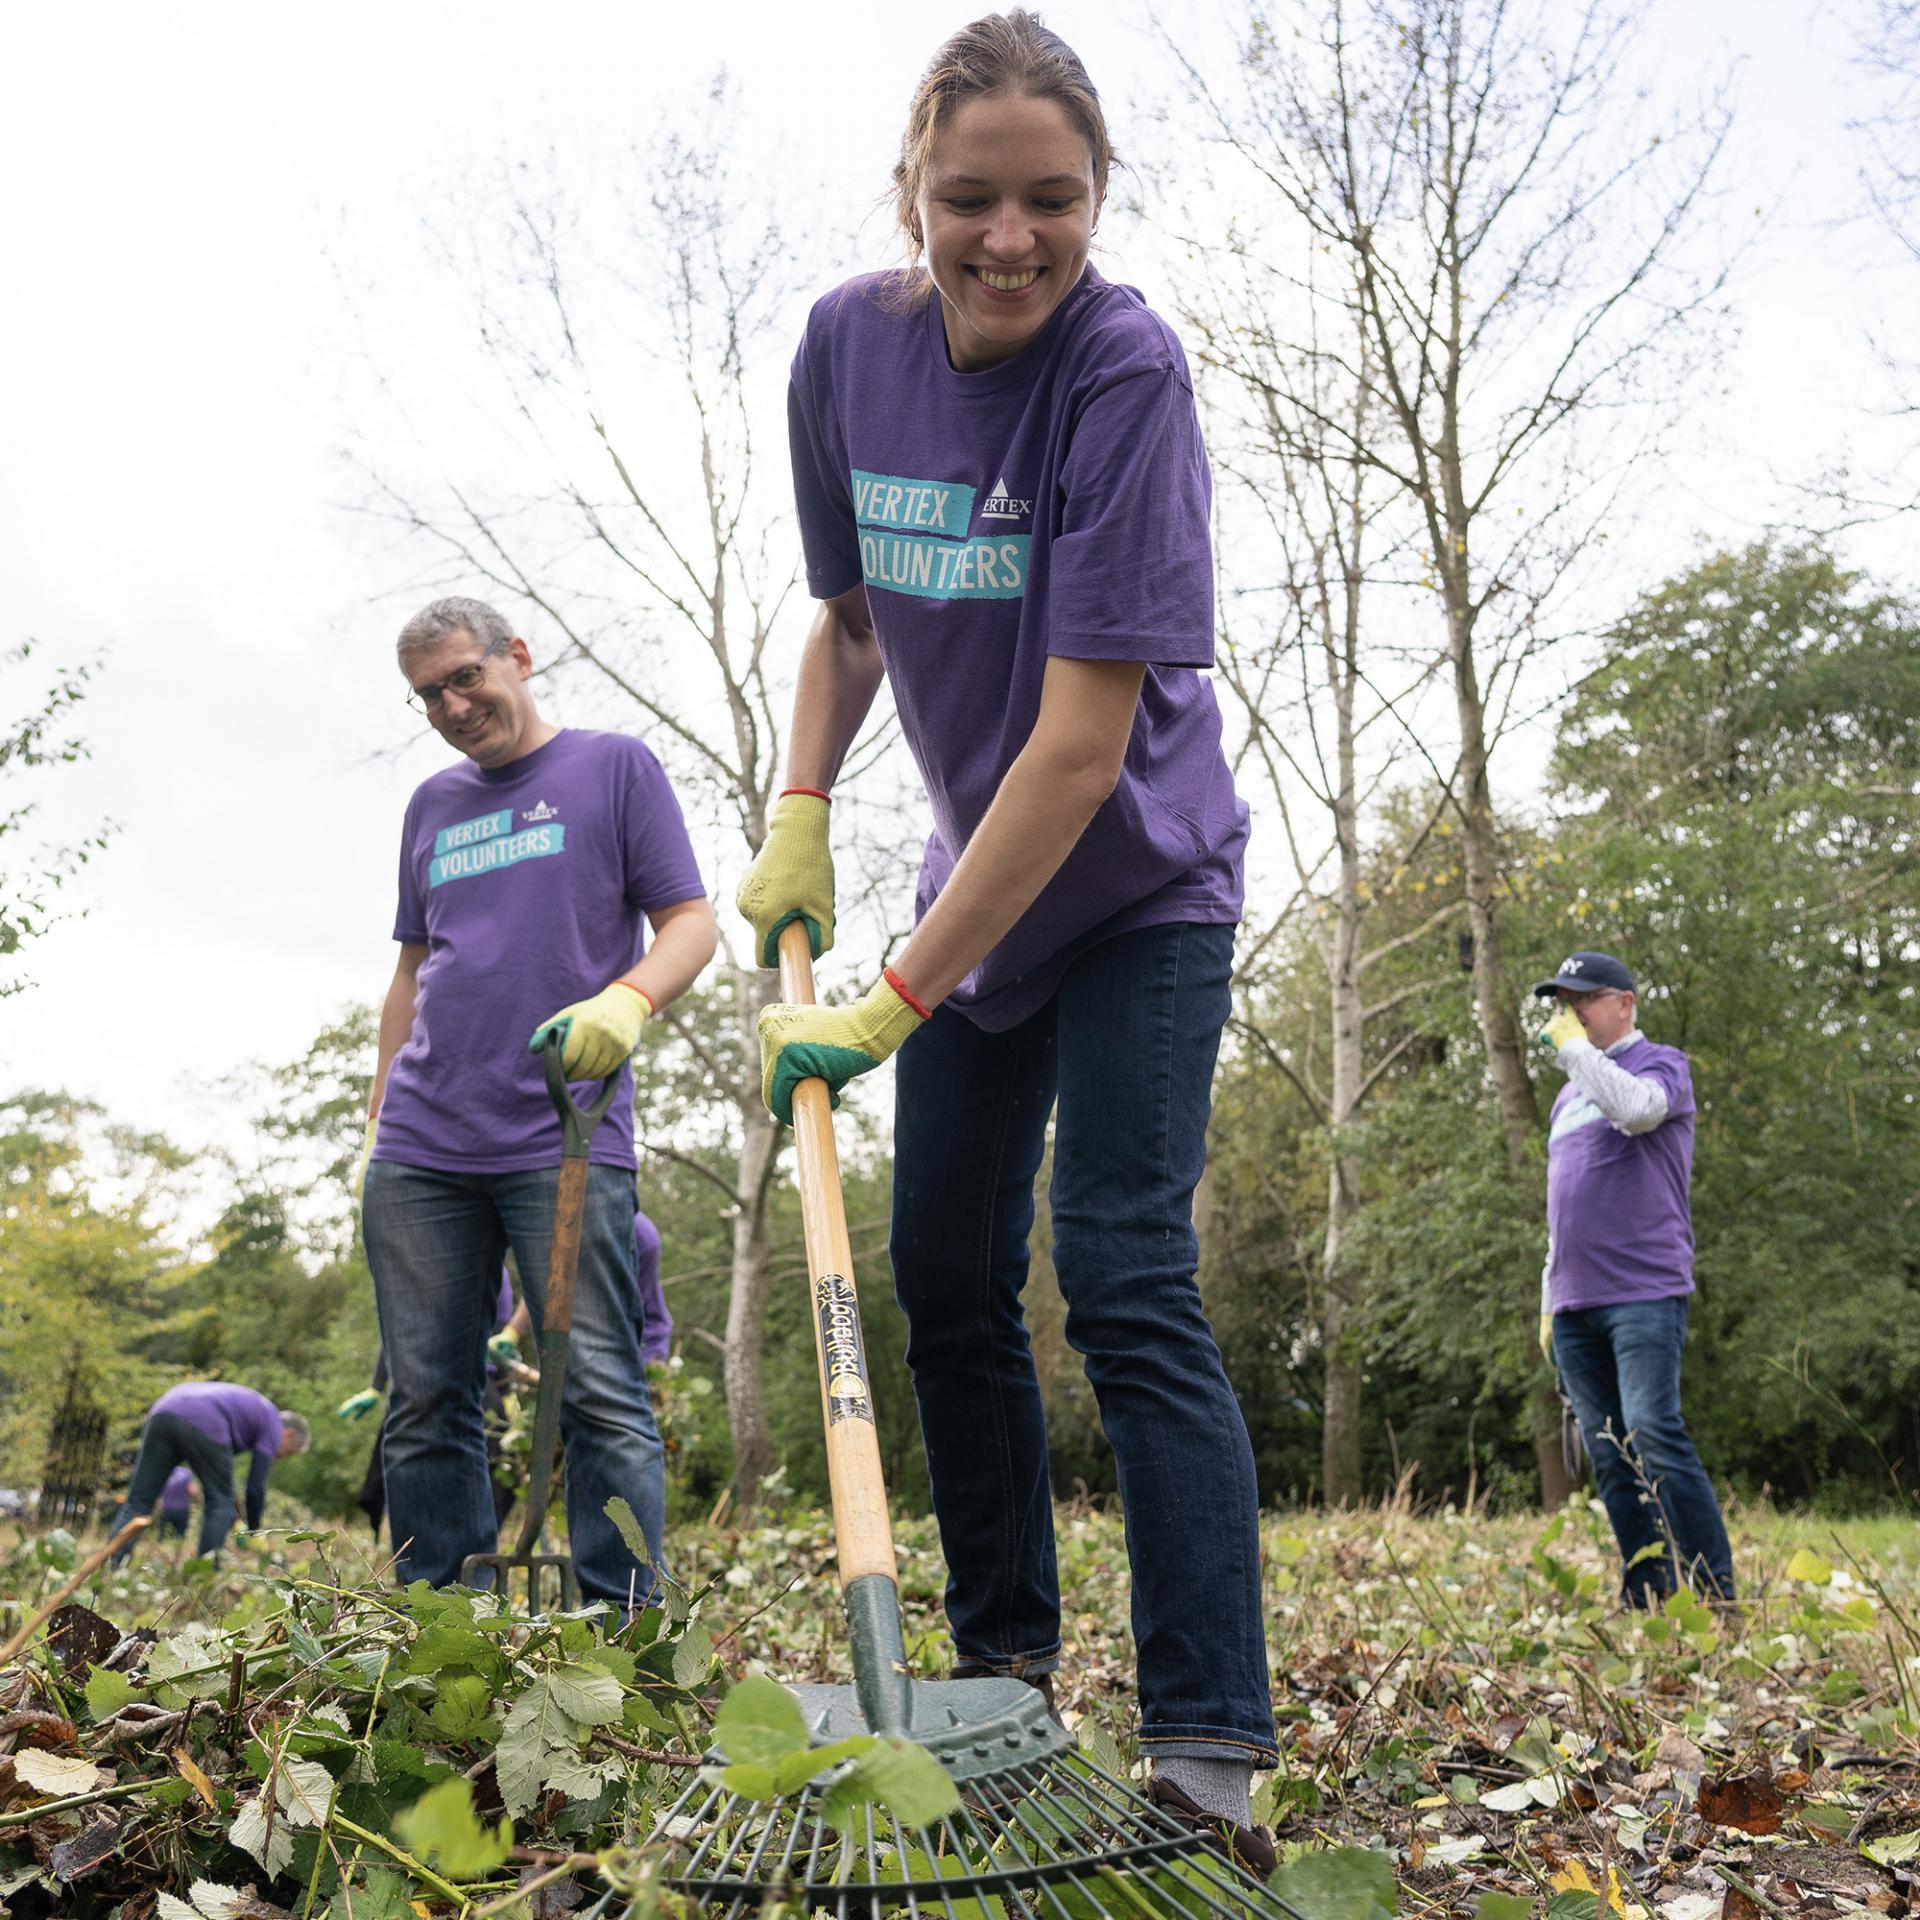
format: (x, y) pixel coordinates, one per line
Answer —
(1049, 796)
(840, 672)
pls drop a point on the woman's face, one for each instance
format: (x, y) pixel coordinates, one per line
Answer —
(1007, 212)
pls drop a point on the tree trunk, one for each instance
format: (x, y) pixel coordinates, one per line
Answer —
(1544, 1412)
(1340, 1282)
(1499, 1027)
(1340, 1472)
(741, 1367)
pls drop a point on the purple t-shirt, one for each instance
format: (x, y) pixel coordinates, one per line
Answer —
(656, 1323)
(177, 1495)
(529, 886)
(240, 1419)
(1617, 1206)
(1055, 504)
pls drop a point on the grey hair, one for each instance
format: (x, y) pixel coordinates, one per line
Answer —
(455, 614)
(296, 1424)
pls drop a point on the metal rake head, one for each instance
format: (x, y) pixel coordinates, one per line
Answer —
(1053, 1838)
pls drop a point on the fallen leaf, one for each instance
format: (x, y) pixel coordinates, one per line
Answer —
(80, 1636)
(1892, 1848)
(56, 1774)
(1749, 1802)
(72, 1858)
(1574, 1878)
(1691, 1906)
(191, 1773)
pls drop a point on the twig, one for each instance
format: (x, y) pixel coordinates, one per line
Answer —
(1752, 1892)
(1873, 1806)
(568, 1863)
(654, 1756)
(25, 1815)
(445, 1889)
(65, 1591)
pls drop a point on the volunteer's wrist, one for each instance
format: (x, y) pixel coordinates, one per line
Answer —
(652, 1005)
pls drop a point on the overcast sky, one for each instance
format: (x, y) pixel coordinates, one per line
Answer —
(192, 190)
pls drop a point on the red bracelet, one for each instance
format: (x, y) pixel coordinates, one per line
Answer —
(812, 793)
(642, 992)
(900, 987)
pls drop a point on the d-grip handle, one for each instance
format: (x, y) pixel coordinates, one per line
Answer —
(577, 1123)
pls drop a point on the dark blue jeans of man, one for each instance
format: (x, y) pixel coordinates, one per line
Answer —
(435, 1242)
(1127, 1047)
(165, 1442)
(1622, 1369)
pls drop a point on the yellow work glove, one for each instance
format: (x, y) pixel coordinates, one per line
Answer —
(1564, 1026)
(1546, 1338)
(791, 877)
(596, 1035)
(360, 1166)
(832, 1043)
(358, 1405)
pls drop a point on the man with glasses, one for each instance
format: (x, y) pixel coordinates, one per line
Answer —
(529, 873)
(1619, 1274)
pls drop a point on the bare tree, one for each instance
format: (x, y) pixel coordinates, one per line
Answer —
(650, 547)
(1888, 129)
(1512, 288)
(1322, 732)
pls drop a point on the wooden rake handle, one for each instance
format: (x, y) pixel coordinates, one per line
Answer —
(860, 1523)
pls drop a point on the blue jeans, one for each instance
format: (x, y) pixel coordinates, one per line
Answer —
(1127, 1046)
(435, 1242)
(165, 1442)
(1621, 1365)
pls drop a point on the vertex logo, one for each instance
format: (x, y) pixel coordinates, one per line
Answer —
(1001, 505)
(541, 811)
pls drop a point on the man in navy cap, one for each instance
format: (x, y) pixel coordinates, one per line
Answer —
(1614, 1293)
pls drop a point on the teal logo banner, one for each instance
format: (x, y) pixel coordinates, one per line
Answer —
(488, 855)
(941, 507)
(471, 832)
(985, 569)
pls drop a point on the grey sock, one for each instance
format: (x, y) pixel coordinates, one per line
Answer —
(1221, 1787)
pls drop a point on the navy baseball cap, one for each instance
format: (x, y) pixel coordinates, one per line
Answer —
(1586, 973)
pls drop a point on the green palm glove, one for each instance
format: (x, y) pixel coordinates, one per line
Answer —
(791, 877)
(504, 1350)
(1564, 1026)
(597, 1035)
(1546, 1338)
(831, 1043)
(357, 1406)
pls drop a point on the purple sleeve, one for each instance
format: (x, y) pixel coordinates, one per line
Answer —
(656, 1323)
(410, 916)
(822, 503)
(1132, 568)
(503, 1301)
(1670, 1072)
(661, 869)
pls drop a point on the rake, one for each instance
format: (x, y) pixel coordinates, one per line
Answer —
(1041, 1832)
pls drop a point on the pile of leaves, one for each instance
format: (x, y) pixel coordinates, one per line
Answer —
(1470, 1725)
(376, 1754)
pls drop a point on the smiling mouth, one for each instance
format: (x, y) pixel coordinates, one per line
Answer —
(1007, 282)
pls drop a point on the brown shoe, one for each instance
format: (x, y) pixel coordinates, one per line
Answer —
(1250, 1848)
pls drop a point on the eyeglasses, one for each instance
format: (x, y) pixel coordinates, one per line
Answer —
(462, 680)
